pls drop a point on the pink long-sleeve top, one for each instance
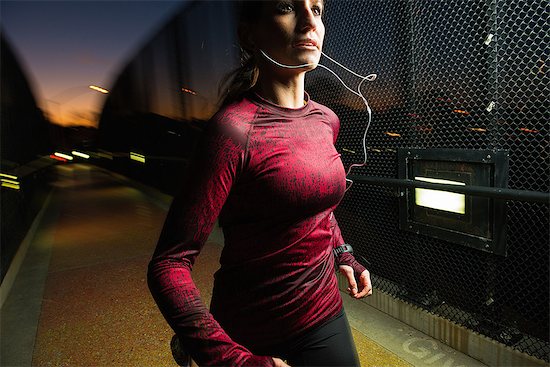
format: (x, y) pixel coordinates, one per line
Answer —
(273, 177)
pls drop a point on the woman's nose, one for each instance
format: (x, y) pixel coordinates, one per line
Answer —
(307, 19)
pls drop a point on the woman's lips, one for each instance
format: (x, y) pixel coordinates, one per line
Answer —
(309, 43)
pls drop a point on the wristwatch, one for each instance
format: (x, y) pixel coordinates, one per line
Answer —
(342, 249)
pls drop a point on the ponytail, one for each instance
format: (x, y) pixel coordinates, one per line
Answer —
(240, 80)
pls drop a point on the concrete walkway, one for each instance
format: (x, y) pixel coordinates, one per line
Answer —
(80, 297)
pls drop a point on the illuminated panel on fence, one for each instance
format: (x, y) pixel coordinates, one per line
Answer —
(441, 200)
(469, 220)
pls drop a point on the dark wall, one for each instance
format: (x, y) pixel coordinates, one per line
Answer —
(24, 139)
(24, 131)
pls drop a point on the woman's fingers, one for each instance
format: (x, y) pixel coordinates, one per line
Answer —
(364, 282)
(347, 271)
(279, 362)
(366, 285)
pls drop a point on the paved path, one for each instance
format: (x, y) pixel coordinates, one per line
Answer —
(81, 298)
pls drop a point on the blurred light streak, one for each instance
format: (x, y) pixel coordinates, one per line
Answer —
(57, 158)
(526, 130)
(478, 129)
(189, 91)
(11, 186)
(462, 112)
(393, 135)
(62, 155)
(348, 150)
(98, 89)
(8, 176)
(10, 181)
(137, 157)
(79, 154)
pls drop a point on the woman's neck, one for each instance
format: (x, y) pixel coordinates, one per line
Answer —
(287, 93)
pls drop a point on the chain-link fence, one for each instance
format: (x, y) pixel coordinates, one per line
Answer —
(466, 75)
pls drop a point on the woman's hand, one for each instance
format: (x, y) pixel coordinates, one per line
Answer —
(279, 362)
(364, 282)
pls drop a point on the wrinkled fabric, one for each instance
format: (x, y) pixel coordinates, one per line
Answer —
(273, 177)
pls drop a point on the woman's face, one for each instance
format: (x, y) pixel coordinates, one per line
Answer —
(291, 31)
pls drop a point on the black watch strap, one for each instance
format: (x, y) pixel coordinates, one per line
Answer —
(342, 249)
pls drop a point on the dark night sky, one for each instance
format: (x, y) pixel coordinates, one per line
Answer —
(64, 46)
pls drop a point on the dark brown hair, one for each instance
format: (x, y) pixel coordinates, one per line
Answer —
(244, 77)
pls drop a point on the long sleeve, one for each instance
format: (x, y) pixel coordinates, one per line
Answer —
(190, 219)
(346, 258)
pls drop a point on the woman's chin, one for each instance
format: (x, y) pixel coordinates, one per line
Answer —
(312, 63)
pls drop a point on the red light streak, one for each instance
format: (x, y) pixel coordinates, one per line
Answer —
(58, 158)
(526, 130)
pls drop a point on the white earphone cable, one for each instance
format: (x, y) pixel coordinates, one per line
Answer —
(370, 78)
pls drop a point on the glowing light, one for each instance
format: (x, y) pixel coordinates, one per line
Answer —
(11, 185)
(348, 150)
(64, 156)
(478, 129)
(393, 135)
(441, 200)
(189, 91)
(10, 181)
(8, 176)
(137, 157)
(58, 158)
(462, 112)
(526, 130)
(79, 154)
(98, 89)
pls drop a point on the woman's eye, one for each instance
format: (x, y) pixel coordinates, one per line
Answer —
(285, 7)
(317, 10)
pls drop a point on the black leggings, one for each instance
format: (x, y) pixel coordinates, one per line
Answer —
(330, 344)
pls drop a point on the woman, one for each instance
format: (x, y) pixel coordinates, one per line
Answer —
(268, 167)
